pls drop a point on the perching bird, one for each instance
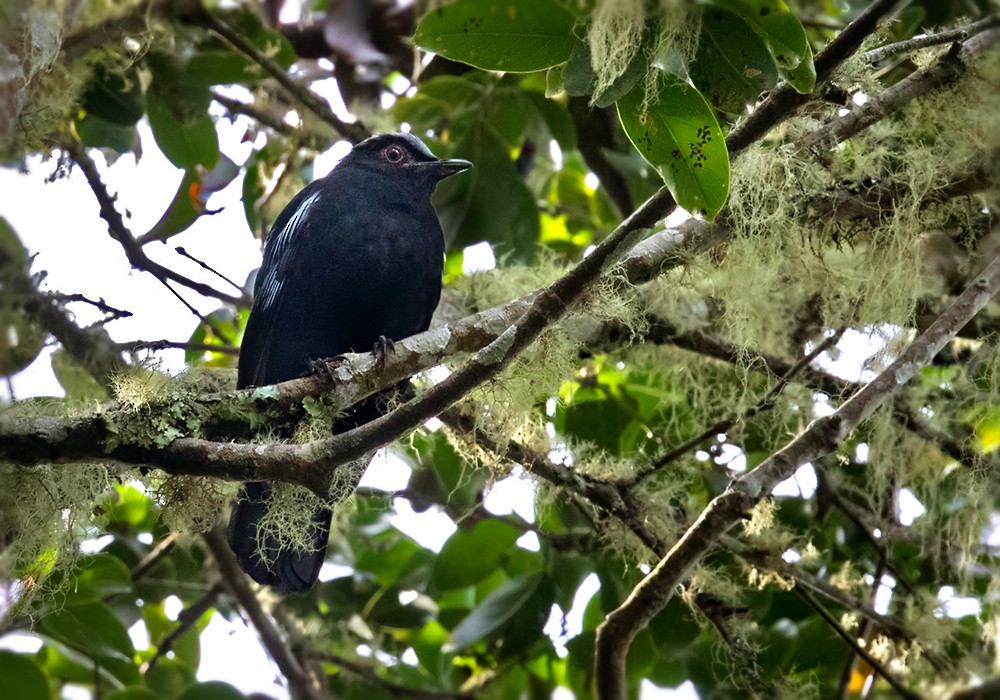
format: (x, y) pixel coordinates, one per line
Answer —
(353, 262)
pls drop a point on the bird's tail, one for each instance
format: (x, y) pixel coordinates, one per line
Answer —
(287, 570)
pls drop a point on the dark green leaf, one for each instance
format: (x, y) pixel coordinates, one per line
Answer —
(733, 66)
(22, 678)
(579, 77)
(114, 97)
(100, 133)
(496, 610)
(515, 35)
(187, 140)
(218, 67)
(784, 35)
(471, 555)
(212, 690)
(680, 137)
(169, 678)
(489, 202)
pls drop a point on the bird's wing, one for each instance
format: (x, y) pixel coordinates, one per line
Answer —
(275, 270)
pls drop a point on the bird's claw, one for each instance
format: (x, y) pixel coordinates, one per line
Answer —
(381, 349)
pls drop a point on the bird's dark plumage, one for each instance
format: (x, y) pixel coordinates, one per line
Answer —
(355, 256)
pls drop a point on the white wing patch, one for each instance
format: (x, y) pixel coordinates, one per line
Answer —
(272, 280)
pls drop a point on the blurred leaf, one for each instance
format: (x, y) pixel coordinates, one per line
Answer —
(20, 341)
(471, 555)
(212, 690)
(92, 629)
(680, 137)
(101, 576)
(490, 202)
(169, 678)
(132, 693)
(75, 380)
(516, 36)
(114, 97)
(97, 132)
(496, 610)
(215, 67)
(22, 678)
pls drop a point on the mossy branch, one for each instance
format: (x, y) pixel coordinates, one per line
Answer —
(615, 634)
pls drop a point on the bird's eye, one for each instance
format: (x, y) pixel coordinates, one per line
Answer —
(394, 154)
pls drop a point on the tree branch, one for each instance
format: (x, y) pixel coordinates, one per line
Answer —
(944, 72)
(615, 634)
(302, 684)
(922, 41)
(353, 132)
(119, 231)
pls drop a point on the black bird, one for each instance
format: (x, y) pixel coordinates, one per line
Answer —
(353, 262)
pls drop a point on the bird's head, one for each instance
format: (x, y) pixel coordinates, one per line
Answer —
(403, 154)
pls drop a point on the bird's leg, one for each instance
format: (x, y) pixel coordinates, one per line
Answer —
(383, 346)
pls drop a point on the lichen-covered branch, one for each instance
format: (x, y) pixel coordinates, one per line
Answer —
(944, 72)
(619, 628)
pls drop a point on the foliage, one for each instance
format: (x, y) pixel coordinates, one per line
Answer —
(626, 418)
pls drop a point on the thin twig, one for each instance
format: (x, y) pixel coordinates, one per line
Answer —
(185, 621)
(879, 56)
(99, 304)
(155, 555)
(120, 232)
(766, 403)
(301, 683)
(353, 132)
(180, 250)
(852, 642)
(135, 345)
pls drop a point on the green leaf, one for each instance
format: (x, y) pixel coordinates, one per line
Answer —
(733, 65)
(132, 693)
(222, 67)
(496, 609)
(679, 136)
(517, 36)
(92, 629)
(169, 678)
(22, 678)
(76, 381)
(785, 37)
(471, 555)
(490, 202)
(101, 576)
(101, 133)
(186, 140)
(212, 690)
(579, 77)
(188, 204)
(114, 97)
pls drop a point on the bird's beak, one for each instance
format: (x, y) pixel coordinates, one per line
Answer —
(447, 168)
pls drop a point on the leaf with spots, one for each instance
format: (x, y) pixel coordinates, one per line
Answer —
(517, 36)
(784, 35)
(678, 134)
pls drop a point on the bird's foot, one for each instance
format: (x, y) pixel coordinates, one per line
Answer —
(383, 346)
(325, 366)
